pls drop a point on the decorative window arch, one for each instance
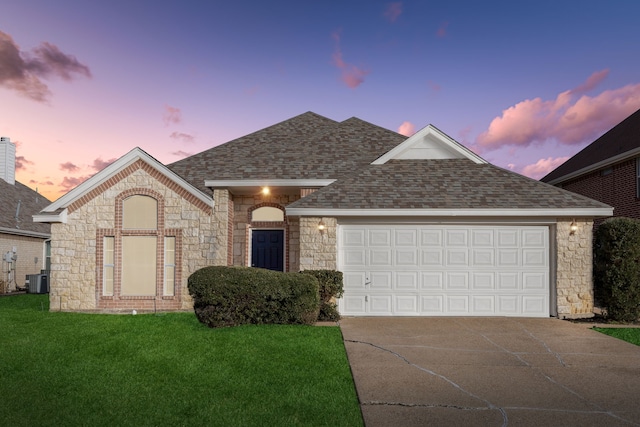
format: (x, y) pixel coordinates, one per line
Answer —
(139, 259)
(267, 216)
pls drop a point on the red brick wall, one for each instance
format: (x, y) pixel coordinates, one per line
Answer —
(617, 189)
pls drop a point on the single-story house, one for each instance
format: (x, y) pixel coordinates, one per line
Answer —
(607, 170)
(420, 226)
(24, 244)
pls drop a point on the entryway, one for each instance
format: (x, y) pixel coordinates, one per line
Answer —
(267, 249)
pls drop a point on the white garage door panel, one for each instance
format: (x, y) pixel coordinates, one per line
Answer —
(444, 270)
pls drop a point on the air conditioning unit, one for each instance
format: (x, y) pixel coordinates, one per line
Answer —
(38, 283)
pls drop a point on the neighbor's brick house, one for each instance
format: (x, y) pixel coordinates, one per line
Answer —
(607, 170)
(418, 225)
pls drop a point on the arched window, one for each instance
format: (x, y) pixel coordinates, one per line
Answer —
(140, 213)
(267, 213)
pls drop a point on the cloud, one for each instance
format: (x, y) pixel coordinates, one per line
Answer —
(406, 129)
(181, 153)
(69, 183)
(99, 164)
(570, 118)
(69, 167)
(182, 137)
(23, 71)
(21, 163)
(542, 167)
(393, 11)
(352, 75)
(442, 30)
(435, 87)
(172, 115)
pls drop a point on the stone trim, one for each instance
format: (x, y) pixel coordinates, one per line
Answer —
(139, 164)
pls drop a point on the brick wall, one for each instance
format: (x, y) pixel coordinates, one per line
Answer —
(75, 261)
(27, 249)
(617, 188)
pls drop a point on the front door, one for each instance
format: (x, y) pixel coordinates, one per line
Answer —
(267, 249)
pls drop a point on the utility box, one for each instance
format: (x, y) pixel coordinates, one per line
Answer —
(38, 283)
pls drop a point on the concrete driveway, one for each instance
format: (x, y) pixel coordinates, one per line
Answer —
(491, 372)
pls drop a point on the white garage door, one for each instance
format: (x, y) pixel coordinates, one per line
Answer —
(444, 270)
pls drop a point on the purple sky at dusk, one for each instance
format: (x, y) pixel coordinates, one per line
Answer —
(525, 85)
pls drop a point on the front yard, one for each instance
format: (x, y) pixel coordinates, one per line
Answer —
(167, 369)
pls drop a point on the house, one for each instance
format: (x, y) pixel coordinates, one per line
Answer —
(607, 170)
(24, 244)
(419, 226)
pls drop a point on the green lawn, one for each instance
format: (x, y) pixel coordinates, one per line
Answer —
(154, 370)
(631, 335)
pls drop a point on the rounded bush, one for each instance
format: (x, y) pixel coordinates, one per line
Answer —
(229, 296)
(617, 268)
(331, 287)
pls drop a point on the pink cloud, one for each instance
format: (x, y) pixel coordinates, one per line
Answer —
(442, 30)
(23, 71)
(21, 163)
(406, 129)
(569, 118)
(352, 75)
(181, 153)
(99, 164)
(69, 183)
(69, 167)
(182, 137)
(434, 86)
(172, 115)
(542, 167)
(394, 10)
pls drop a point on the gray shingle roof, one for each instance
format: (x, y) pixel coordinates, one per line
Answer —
(308, 146)
(30, 204)
(441, 184)
(622, 138)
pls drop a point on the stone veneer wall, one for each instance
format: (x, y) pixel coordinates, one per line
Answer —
(574, 274)
(73, 244)
(318, 250)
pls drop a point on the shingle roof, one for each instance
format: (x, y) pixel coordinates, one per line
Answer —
(622, 138)
(441, 184)
(308, 146)
(30, 204)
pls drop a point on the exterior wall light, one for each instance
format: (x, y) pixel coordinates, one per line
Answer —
(265, 191)
(321, 227)
(573, 228)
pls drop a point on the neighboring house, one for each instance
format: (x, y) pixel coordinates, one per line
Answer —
(23, 243)
(419, 226)
(607, 170)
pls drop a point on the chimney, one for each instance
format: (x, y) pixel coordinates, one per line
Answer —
(7, 160)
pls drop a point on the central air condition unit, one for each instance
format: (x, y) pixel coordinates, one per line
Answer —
(38, 283)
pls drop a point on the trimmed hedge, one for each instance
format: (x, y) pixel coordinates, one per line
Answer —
(229, 296)
(616, 268)
(331, 287)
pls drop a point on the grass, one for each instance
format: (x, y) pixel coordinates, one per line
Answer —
(631, 335)
(155, 370)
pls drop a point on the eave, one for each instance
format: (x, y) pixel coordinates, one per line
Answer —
(469, 213)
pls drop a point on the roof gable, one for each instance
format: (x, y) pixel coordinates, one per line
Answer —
(56, 211)
(429, 143)
(619, 143)
(17, 205)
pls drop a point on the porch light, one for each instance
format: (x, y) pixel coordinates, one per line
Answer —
(573, 228)
(321, 226)
(265, 191)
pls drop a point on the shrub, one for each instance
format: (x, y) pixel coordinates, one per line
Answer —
(229, 296)
(617, 268)
(331, 287)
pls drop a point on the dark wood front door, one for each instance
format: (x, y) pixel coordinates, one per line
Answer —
(267, 249)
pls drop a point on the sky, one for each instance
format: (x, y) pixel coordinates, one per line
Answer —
(524, 84)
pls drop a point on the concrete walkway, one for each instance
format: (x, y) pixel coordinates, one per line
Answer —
(491, 372)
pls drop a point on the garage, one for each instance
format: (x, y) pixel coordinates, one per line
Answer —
(444, 270)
